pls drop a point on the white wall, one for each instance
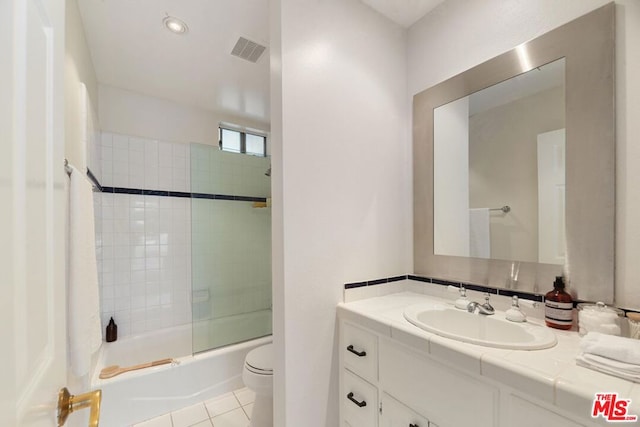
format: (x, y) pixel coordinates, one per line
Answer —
(78, 69)
(136, 114)
(343, 191)
(459, 34)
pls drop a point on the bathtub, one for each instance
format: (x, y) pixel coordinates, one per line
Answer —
(139, 395)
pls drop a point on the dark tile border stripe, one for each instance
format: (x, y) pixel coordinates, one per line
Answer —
(441, 282)
(521, 295)
(355, 285)
(164, 193)
(374, 282)
(481, 288)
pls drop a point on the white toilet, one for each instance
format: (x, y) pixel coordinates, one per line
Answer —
(258, 376)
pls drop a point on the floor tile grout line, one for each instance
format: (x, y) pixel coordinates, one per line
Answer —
(237, 399)
(246, 414)
(207, 409)
(227, 411)
(235, 396)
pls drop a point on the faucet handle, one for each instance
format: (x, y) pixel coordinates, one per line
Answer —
(486, 301)
(514, 314)
(514, 302)
(462, 302)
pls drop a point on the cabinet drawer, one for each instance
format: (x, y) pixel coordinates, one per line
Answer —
(360, 351)
(395, 414)
(359, 401)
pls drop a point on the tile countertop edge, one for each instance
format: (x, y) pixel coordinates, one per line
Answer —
(496, 364)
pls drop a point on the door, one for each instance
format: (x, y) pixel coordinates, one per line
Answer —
(32, 212)
(551, 189)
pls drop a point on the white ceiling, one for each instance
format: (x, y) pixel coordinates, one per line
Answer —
(403, 12)
(131, 49)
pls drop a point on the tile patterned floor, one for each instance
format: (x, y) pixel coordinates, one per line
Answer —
(229, 410)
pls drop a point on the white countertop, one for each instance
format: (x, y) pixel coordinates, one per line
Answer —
(550, 375)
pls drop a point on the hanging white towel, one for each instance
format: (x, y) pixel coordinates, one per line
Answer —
(85, 335)
(479, 233)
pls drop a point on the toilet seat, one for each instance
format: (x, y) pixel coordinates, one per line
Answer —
(260, 360)
(257, 375)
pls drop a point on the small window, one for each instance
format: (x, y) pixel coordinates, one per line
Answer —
(243, 142)
(230, 140)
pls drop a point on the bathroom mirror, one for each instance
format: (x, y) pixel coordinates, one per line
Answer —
(586, 46)
(508, 203)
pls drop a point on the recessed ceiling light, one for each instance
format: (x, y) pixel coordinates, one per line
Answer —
(175, 25)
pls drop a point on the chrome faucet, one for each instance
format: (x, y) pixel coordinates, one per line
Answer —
(486, 308)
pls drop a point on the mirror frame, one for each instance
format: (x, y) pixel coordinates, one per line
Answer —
(587, 44)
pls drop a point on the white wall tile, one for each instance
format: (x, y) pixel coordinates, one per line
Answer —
(137, 144)
(120, 142)
(165, 154)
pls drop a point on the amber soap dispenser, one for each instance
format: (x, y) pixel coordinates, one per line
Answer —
(112, 331)
(558, 306)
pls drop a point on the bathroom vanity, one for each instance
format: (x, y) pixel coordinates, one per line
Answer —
(393, 374)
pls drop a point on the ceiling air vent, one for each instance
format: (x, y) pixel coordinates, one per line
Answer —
(246, 49)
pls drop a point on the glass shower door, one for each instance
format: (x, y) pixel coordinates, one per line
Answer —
(231, 247)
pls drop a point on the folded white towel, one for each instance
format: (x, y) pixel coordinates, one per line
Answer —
(628, 368)
(622, 370)
(625, 350)
(85, 332)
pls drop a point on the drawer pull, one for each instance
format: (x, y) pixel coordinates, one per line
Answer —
(356, 352)
(413, 425)
(359, 404)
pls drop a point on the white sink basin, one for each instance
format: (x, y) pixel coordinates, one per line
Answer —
(490, 331)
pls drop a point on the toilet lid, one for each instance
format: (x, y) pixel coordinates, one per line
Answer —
(260, 359)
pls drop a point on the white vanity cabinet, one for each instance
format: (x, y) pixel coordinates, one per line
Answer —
(385, 382)
(395, 414)
(362, 402)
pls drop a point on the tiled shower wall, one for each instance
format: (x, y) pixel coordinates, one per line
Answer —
(144, 240)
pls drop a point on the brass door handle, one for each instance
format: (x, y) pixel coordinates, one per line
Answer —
(67, 404)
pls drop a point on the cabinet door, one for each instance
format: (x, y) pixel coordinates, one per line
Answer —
(448, 396)
(395, 414)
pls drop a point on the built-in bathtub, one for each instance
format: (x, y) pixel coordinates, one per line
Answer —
(139, 395)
